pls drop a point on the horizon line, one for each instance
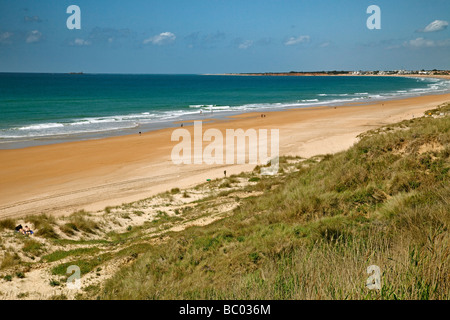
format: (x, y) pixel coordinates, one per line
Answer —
(221, 73)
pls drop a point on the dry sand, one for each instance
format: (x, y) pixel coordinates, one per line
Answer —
(61, 178)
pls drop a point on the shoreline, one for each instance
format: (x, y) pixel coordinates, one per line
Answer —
(147, 126)
(59, 179)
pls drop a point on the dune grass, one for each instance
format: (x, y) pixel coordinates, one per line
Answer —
(44, 225)
(314, 232)
(79, 221)
(61, 254)
(7, 224)
(9, 259)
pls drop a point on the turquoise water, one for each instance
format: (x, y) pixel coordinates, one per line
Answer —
(47, 106)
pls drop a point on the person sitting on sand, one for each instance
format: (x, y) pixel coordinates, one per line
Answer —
(20, 229)
(27, 231)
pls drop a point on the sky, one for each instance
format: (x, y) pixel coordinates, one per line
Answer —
(223, 36)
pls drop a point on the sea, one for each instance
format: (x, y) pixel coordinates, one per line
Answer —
(40, 109)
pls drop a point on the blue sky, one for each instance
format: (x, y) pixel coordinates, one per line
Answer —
(218, 36)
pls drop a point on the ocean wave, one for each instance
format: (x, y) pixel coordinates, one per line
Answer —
(308, 100)
(57, 129)
(129, 121)
(41, 126)
(202, 106)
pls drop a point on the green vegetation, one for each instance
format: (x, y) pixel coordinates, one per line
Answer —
(33, 247)
(79, 222)
(163, 218)
(9, 259)
(7, 224)
(44, 225)
(23, 295)
(108, 209)
(58, 255)
(85, 264)
(314, 231)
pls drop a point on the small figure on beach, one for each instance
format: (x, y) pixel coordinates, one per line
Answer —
(225, 173)
(19, 228)
(140, 133)
(25, 231)
(182, 125)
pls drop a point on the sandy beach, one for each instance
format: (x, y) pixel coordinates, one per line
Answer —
(62, 178)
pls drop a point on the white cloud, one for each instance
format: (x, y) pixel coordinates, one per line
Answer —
(420, 43)
(160, 39)
(34, 36)
(245, 44)
(436, 25)
(4, 37)
(296, 40)
(80, 42)
(426, 43)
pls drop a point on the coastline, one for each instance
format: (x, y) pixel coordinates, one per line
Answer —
(319, 74)
(59, 179)
(52, 131)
